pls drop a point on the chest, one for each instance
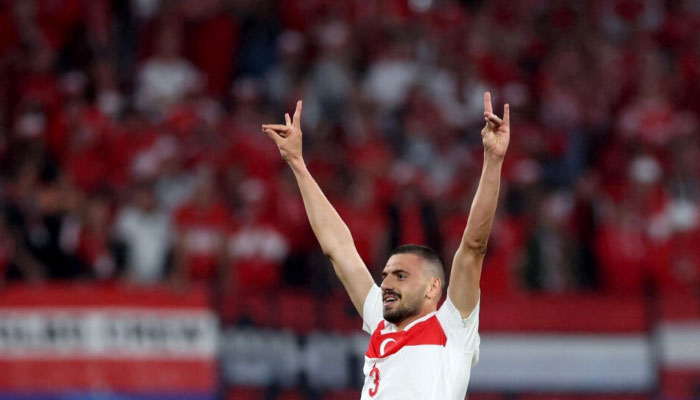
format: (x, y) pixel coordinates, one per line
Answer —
(386, 342)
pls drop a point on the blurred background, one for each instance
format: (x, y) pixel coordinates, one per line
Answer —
(153, 245)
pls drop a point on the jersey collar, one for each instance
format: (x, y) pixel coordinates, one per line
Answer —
(389, 327)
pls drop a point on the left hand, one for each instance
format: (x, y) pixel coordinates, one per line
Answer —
(287, 137)
(496, 133)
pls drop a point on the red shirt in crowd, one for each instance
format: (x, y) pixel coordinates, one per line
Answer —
(201, 230)
(257, 250)
(622, 254)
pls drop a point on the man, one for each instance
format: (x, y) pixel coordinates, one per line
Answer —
(416, 351)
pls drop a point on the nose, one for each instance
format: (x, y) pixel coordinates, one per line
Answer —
(386, 283)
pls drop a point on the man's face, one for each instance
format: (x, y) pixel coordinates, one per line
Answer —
(403, 287)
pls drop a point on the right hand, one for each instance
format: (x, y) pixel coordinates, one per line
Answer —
(287, 137)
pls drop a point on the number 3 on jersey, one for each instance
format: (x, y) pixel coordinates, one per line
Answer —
(374, 373)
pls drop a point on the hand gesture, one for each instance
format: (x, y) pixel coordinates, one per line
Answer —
(496, 133)
(287, 137)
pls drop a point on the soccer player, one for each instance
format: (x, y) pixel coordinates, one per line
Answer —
(416, 350)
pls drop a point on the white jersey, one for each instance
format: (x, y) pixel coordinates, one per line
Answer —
(430, 359)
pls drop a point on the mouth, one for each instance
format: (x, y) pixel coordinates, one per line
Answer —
(389, 299)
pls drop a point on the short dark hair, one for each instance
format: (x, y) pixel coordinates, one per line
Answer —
(434, 261)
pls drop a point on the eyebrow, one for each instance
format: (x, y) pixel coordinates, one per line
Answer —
(394, 272)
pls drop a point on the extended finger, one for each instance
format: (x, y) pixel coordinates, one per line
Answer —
(276, 127)
(493, 118)
(273, 135)
(287, 119)
(297, 115)
(487, 102)
(506, 114)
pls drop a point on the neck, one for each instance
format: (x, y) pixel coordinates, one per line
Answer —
(401, 325)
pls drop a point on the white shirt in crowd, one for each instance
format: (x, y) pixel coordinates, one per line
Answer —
(148, 239)
(164, 82)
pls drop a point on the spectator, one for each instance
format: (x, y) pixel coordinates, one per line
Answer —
(288, 71)
(393, 74)
(18, 205)
(412, 215)
(366, 220)
(108, 96)
(15, 261)
(215, 58)
(95, 247)
(143, 231)
(622, 250)
(256, 247)
(165, 78)
(260, 28)
(550, 264)
(175, 184)
(201, 225)
(331, 78)
(42, 212)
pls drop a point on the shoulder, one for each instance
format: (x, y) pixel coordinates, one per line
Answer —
(462, 333)
(450, 316)
(372, 315)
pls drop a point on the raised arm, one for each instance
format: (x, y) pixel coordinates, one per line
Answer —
(466, 266)
(330, 230)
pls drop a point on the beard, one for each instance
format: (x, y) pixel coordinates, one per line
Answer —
(405, 309)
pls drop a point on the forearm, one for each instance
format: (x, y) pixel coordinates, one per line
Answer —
(331, 232)
(483, 209)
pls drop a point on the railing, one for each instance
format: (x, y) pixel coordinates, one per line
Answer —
(156, 341)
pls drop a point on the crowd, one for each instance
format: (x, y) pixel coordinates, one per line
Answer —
(131, 148)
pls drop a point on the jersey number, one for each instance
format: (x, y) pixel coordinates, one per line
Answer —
(374, 373)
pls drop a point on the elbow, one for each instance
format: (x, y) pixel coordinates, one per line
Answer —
(336, 248)
(474, 246)
(329, 252)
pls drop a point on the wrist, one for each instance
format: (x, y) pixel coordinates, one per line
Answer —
(297, 163)
(493, 158)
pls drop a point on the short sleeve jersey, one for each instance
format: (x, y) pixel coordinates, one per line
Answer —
(430, 359)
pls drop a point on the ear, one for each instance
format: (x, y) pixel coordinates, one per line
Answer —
(434, 288)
